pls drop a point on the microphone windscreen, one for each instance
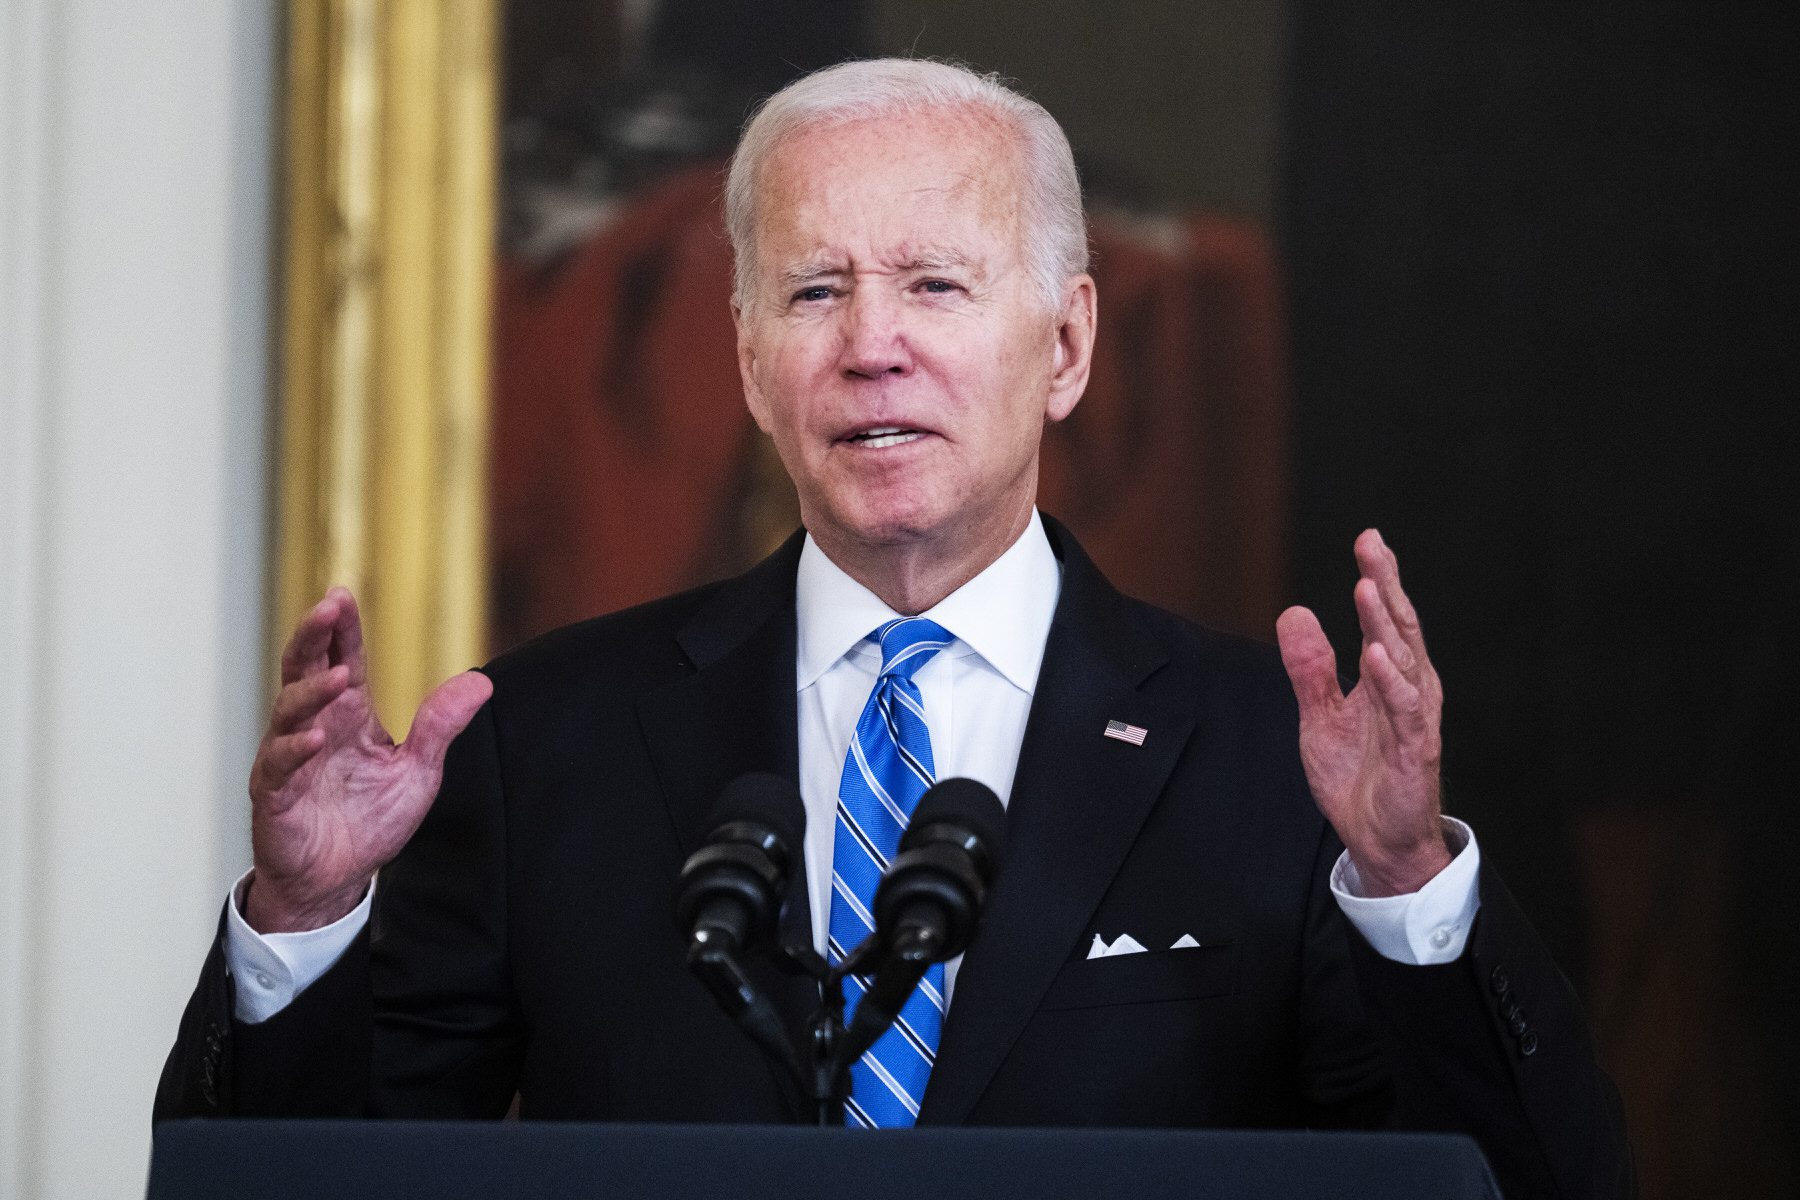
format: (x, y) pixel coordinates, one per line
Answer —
(767, 800)
(962, 802)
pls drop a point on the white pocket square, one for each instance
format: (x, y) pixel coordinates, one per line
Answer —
(1123, 944)
(1126, 944)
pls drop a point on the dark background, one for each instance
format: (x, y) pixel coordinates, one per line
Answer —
(1539, 266)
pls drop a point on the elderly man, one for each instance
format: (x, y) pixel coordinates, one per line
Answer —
(1220, 907)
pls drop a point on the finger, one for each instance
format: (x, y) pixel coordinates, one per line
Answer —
(1401, 699)
(446, 713)
(1378, 625)
(300, 701)
(306, 649)
(347, 638)
(280, 757)
(1311, 664)
(1378, 562)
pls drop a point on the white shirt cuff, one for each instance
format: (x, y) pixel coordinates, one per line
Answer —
(269, 970)
(1425, 927)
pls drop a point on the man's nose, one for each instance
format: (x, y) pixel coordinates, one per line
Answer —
(875, 336)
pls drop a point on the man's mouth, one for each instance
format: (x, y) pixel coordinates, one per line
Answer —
(884, 436)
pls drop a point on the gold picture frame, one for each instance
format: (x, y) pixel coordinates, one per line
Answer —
(391, 154)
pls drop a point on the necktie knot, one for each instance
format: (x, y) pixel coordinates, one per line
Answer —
(908, 643)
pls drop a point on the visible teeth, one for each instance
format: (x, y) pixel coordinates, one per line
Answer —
(879, 441)
(886, 435)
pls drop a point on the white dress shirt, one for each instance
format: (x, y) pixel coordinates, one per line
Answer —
(977, 690)
(977, 694)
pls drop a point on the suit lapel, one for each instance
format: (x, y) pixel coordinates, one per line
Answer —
(1078, 801)
(736, 714)
(736, 711)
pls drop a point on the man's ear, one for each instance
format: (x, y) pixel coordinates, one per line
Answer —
(746, 357)
(1074, 353)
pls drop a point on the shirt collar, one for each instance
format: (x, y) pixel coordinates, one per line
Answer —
(1003, 614)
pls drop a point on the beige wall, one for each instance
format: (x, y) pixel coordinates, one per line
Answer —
(135, 145)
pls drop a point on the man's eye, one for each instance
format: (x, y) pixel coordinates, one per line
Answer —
(937, 287)
(812, 295)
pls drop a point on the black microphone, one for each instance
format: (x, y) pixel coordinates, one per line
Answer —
(929, 902)
(730, 891)
(728, 897)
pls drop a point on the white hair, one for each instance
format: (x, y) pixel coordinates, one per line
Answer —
(1056, 247)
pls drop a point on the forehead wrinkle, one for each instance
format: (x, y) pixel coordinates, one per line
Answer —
(964, 190)
(932, 258)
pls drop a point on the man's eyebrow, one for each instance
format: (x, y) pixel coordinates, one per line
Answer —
(937, 260)
(809, 271)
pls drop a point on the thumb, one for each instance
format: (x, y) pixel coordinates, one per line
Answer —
(1306, 653)
(446, 713)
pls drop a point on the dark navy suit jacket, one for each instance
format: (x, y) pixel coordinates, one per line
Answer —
(523, 942)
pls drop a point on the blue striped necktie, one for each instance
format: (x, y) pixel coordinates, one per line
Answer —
(887, 769)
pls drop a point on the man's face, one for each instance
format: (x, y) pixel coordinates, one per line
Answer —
(893, 344)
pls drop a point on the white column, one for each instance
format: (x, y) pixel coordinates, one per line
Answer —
(135, 193)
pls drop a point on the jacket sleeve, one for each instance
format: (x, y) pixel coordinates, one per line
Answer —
(1493, 1045)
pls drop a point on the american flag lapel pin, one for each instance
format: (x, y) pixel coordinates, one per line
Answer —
(1126, 733)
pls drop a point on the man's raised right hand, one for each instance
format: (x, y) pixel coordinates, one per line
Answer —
(332, 798)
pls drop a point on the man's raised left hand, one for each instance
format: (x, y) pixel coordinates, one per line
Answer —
(1372, 756)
